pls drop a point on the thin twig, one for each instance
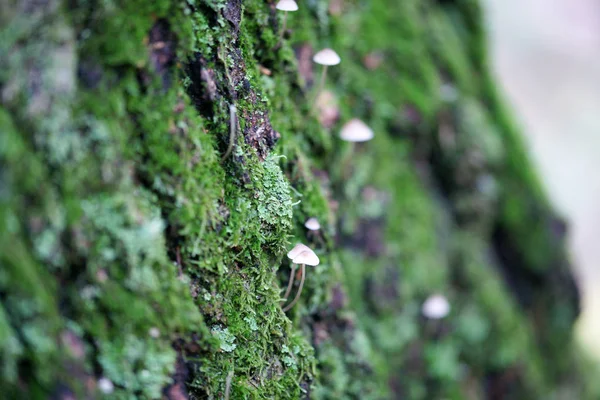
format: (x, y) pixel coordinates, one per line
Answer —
(233, 128)
(221, 56)
(233, 120)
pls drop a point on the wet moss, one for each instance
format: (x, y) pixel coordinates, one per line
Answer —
(135, 249)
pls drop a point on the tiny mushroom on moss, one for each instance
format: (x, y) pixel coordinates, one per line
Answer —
(356, 131)
(301, 255)
(299, 248)
(105, 385)
(285, 6)
(326, 58)
(435, 307)
(154, 332)
(312, 224)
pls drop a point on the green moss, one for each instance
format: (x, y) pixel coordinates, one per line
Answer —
(132, 250)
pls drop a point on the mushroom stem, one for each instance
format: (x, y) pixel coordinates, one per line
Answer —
(283, 27)
(290, 283)
(289, 306)
(322, 83)
(320, 87)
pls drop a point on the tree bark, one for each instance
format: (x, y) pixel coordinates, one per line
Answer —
(158, 159)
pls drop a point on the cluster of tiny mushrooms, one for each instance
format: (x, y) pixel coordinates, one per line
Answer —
(355, 130)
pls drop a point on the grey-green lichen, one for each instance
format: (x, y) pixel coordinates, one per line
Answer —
(131, 252)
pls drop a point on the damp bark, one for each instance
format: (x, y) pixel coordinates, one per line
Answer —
(138, 261)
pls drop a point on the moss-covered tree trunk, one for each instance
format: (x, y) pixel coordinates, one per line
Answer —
(143, 230)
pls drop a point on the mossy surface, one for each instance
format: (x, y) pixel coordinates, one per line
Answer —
(143, 243)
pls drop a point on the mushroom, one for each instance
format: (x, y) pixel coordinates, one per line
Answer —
(356, 131)
(312, 224)
(105, 385)
(299, 248)
(303, 256)
(154, 332)
(285, 5)
(325, 57)
(435, 307)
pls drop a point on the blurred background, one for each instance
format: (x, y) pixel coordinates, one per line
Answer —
(546, 54)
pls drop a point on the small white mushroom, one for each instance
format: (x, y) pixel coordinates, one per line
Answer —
(302, 255)
(326, 58)
(293, 253)
(286, 6)
(307, 257)
(356, 131)
(435, 307)
(299, 248)
(154, 332)
(105, 385)
(312, 224)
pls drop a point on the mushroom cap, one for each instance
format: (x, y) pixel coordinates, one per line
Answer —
(307, 257)
(105, 385)
(287, 5)
(312, 224)
(154, 332)
(327, 57)
(435, 307)
(356, 131)
(299, 248)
